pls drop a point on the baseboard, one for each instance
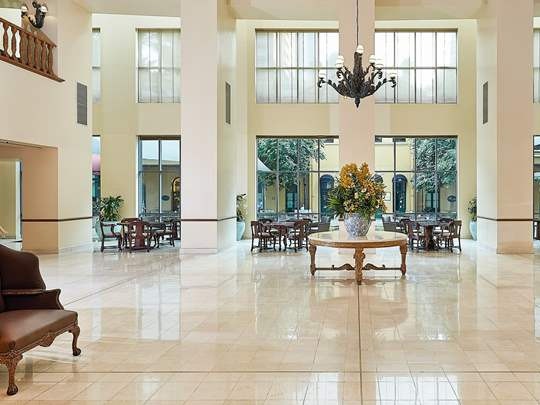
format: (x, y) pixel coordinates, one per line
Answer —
(203, 251)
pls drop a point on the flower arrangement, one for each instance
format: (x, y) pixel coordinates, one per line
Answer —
(357, 192)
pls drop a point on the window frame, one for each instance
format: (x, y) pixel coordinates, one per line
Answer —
(279, 67)
(176, 68)
(395, 171)
(415, 69)
(281, 211)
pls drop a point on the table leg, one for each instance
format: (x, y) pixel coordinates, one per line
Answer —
(312, 251)
(359, 257)
(403, 250)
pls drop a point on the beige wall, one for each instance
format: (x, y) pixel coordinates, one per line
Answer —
(10, 213)
(118, 118)
(405, 119)
(39, 111)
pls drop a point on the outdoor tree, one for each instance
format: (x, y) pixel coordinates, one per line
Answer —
(436, 163)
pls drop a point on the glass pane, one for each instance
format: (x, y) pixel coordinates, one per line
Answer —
(144, 49)
(144, 85)
(332, 48)
(404, 49)
(536, 49)
(425, 49)
(155, 86)
(177, 49)
(307, 86)
(288, 82)
(261, 49)
(329, 154)
(427, 196)
(446, 49)
(536, 85)
(425, 86)
(170, 192)
(288, 49)
(267, 153)
(308, 199)
(262, 85)
(167, 83)
(288, 155)
(384, 155)
(446, 86)
(176, 85)
(96, 84)
(307, 49)
(149, 153)
(288, 195)
(387, 181)
(170, 153)
(425, 154)
(155, 48)
(149, 193)
(405, 86)
(96, 48)
(309, 153)
(266, 195)
(327, 182)
(386, 93)
(404, 154)
(167, 49)
(403, 193)
(384, 47)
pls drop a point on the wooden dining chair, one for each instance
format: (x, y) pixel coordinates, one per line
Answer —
(296, 235)
(137, 232)
(260, 233)
(413, 233)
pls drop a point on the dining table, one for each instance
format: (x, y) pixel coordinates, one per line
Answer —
(428, 227)
(142, 241)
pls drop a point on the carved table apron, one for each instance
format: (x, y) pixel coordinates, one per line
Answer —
(340, 239)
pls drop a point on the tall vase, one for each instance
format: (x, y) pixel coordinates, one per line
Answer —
(356, 225)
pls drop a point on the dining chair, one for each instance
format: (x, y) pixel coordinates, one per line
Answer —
(108, 231)
(260, 233)
(413, 233)
(296, 235)
(139, 235)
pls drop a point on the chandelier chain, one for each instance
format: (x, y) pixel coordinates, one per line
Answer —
(357, 26)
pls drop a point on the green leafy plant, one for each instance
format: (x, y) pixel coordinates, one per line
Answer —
(109, 208)
(357, 192)
(241, 207)
(472, 209)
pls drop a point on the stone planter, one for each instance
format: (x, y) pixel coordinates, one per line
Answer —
(474, 229)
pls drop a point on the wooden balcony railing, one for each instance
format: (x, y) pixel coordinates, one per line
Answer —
(24, 49)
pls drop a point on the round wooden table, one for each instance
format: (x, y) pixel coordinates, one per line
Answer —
(342, 240)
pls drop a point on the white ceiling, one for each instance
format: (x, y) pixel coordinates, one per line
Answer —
(167, 8)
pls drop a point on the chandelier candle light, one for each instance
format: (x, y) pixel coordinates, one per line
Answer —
(360, 82)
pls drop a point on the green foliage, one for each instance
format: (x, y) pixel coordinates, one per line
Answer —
(241, 207)
(435, 156)
(109, 208)
(472, 209)
(294, 155)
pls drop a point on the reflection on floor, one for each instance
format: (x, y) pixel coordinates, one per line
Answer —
(241, 328)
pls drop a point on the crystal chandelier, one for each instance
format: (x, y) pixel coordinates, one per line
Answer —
(360, 82)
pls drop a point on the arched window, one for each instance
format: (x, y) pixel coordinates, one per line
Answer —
(400, 193)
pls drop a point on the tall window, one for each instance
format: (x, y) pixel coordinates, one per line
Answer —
(536, 178)
(288, 64)
(426, 65)
(159, 177)
(159, 66)
(536, 66)
(96, 174)
(294, 176)
(96, 65)
(420, 174)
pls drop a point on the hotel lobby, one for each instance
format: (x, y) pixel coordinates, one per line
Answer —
(270, 202)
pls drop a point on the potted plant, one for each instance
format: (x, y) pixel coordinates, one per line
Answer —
(473, 223)
(356, 198)
(240, 216)
(109, 208)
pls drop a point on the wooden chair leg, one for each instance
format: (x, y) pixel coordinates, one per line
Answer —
(11, 364)
(102, 245)
(75, 331)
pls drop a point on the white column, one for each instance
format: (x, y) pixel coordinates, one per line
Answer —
(504, 149)
(208, 142)
(357, 126)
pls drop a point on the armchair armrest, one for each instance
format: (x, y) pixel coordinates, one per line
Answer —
(32, 299)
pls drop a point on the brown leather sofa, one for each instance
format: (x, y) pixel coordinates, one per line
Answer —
(30, 315)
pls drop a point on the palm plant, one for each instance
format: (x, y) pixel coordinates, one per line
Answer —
(109, 208)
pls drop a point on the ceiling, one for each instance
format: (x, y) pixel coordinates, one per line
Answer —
(293, 9)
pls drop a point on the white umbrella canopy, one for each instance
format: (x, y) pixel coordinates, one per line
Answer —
(261, 167)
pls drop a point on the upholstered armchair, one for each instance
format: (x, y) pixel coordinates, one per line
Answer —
(30, 315)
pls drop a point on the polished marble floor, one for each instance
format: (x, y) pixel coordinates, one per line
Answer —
(241, 328)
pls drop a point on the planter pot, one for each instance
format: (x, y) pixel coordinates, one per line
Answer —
(356, 225)
(474, 230)
(240, 229)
